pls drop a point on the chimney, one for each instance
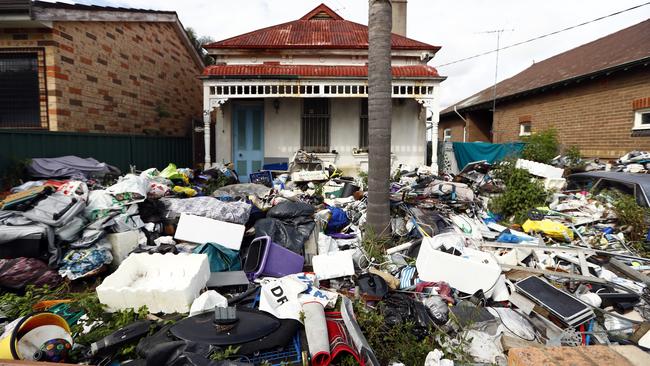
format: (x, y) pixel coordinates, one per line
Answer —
(399, 17)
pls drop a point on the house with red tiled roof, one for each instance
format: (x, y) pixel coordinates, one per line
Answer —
(303, 85)
(597, 96)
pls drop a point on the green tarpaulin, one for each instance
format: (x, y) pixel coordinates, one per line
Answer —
(467, 152)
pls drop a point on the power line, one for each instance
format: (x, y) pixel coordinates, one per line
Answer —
(545, 35)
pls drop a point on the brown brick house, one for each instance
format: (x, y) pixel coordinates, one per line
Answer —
(86, 68)
(597, 96)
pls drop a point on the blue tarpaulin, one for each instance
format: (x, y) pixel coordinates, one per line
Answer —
(467, 152)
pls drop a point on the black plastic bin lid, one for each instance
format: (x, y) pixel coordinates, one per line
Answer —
(250, 325)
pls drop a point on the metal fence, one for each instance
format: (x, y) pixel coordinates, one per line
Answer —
(118, 150)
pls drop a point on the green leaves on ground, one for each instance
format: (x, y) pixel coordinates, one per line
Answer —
(399, 343)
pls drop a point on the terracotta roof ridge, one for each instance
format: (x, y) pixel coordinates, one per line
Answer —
(322, 8)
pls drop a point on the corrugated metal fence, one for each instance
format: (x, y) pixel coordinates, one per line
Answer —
(118, 150)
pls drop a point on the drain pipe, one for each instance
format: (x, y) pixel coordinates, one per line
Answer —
(464, 128)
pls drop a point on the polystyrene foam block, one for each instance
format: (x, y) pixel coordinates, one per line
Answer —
(201, 230)
(539, 169)
(333, 265)
(122, 244)
(163, 283)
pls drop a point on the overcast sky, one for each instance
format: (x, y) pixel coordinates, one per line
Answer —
(458, 26)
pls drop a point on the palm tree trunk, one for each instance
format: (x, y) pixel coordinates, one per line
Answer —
(379, 114)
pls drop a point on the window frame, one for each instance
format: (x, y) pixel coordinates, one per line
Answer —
(522, 131)
(446, 137)
(303, 132)
(638, 119)
(364, 121)
(43, 107)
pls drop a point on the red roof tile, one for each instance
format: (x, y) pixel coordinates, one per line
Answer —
(416, 71)
(624, 47)
(320, 28)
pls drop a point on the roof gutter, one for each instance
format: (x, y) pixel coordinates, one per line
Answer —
(298, 77)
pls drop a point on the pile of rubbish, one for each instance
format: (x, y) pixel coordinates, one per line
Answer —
(632, 162)
(189, 267)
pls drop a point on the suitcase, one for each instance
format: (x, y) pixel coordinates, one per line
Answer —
(56, 210)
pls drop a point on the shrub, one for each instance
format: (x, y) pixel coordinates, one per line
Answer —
(542, 146)
(572, 154)
(522, 192)
(399, 343)
(633, 217)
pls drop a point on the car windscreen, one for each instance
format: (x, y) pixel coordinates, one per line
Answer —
(610, 185)
(580, 183)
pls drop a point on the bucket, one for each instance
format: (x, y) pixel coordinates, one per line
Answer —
(20, 327)
(265, 258)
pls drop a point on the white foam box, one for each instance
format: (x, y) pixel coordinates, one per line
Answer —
(166, 283)
(539, 169)
(122, 244)
(201, 230)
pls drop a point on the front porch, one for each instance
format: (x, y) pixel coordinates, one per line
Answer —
(260, 122)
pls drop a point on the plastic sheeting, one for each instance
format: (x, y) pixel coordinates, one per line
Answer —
(467, 152)
(69, 166)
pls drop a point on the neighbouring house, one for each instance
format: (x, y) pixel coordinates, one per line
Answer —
(304, 85)
(597, 96)
(80, 68)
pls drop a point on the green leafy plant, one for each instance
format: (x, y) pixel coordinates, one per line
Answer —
(574, 159)
(573, 154)
(318, 191)
(522, 192)
(224, 353)
(215, 183)
(374, 246)
(364, 179)
(15, 306)
(99, 322)
(632, 218)
(399, 343)
(541, 146)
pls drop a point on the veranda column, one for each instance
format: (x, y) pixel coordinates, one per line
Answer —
(431, 105)
(210, 105)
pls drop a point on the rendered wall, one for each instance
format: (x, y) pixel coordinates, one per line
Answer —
(282, 132)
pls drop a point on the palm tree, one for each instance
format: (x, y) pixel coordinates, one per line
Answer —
(379, 114)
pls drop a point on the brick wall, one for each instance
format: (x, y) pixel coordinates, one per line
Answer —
(475, 130)
(456, 125)
(596, 115)
(117, 77)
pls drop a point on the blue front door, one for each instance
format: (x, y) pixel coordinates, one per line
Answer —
(248, 139)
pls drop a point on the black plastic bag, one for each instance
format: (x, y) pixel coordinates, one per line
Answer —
(289, 224)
